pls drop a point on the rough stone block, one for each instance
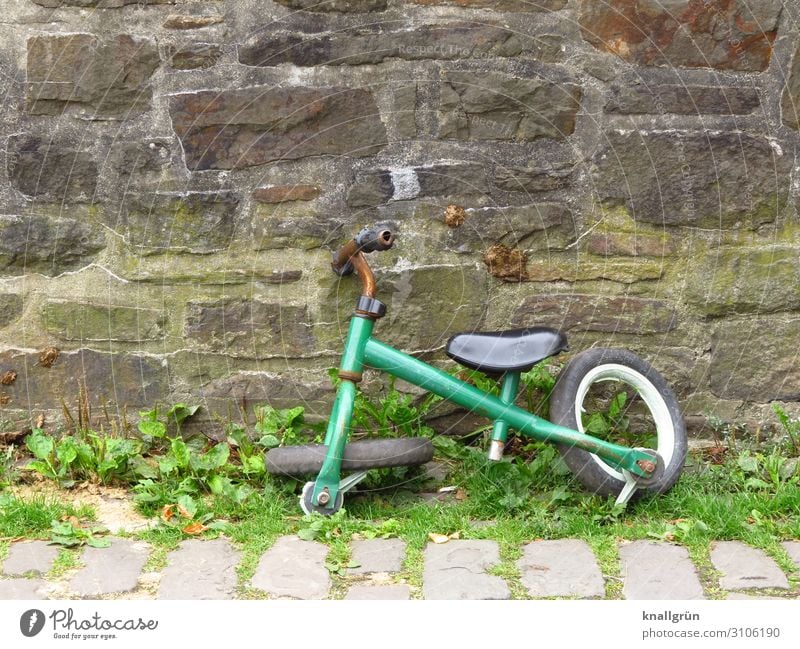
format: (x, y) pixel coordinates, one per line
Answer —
(513, 226)
(233, 129)
(115, 569)
(52, 168)
(373, 188)
(626, 244)
(497, 106)
(720, 180)
(198, 222)
(660, 99)
(249, 328)
(293, 568)
(277, 227)
(10, 308)
(573, 312)
(33, 556)
(456, 570)
(499, 5)
(279, 391)
(658, 571)
(138, 380)
(346, 6)
(716, 33)
(427, 305)
(540, 177)
(745, 567)
(749, 365)
(790, 99)
(375, 44)
(42, 244)
(286, 193)
(565, 568)
(100, 4)
(200, 570)
(193, 56)
(746, 280)
(84, 321)
(378, 555)
(191, 21)
(105, 79)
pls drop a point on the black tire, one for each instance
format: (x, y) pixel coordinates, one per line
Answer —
(600, 365)
(358, 456)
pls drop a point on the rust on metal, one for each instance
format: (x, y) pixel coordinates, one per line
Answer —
(365, 273)
(355, 377)
(648, 466)
(344, 254)
(8, 377)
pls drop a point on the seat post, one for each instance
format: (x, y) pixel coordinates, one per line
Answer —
(508, 393)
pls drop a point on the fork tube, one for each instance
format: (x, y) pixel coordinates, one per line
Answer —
(339, 424)
(386, 358)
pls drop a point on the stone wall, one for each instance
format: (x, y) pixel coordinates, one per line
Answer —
(175, 173)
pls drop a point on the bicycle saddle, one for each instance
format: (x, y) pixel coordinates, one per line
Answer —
(514, 350)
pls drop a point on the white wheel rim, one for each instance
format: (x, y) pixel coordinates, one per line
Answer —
(665, 429)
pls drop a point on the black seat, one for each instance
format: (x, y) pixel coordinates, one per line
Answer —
(497, 352)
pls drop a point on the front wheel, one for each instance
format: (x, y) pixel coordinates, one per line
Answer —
(614, 395)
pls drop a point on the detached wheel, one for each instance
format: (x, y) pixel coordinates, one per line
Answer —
(614, 395)
(307, 507)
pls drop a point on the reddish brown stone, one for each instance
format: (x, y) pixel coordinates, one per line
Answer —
(177, 21)
(233, 129)
(286, 193)
(721, 34)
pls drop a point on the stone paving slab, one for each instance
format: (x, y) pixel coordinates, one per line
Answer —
(793, 550)
(653, 570)
(200, 570)
(457, 570)
(746, 596)
(294, 568)
(32, 556)
(745, 567)
(110, 570)
(564, 568)
(22, 588)
(378, 555)
(387, 591)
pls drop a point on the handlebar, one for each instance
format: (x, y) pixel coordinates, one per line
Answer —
(350, 257)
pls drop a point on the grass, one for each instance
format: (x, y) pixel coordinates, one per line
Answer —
(32, 517)
(67, 560)
(704, 506)
(531, 496)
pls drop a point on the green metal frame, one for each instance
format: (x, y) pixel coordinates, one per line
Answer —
(361, 350)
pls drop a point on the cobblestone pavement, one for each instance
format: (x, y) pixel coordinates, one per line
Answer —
(458, 569)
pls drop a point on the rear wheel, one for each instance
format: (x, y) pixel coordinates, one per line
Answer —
(614, 395)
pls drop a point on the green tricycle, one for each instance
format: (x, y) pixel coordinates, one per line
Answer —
(614, 419)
